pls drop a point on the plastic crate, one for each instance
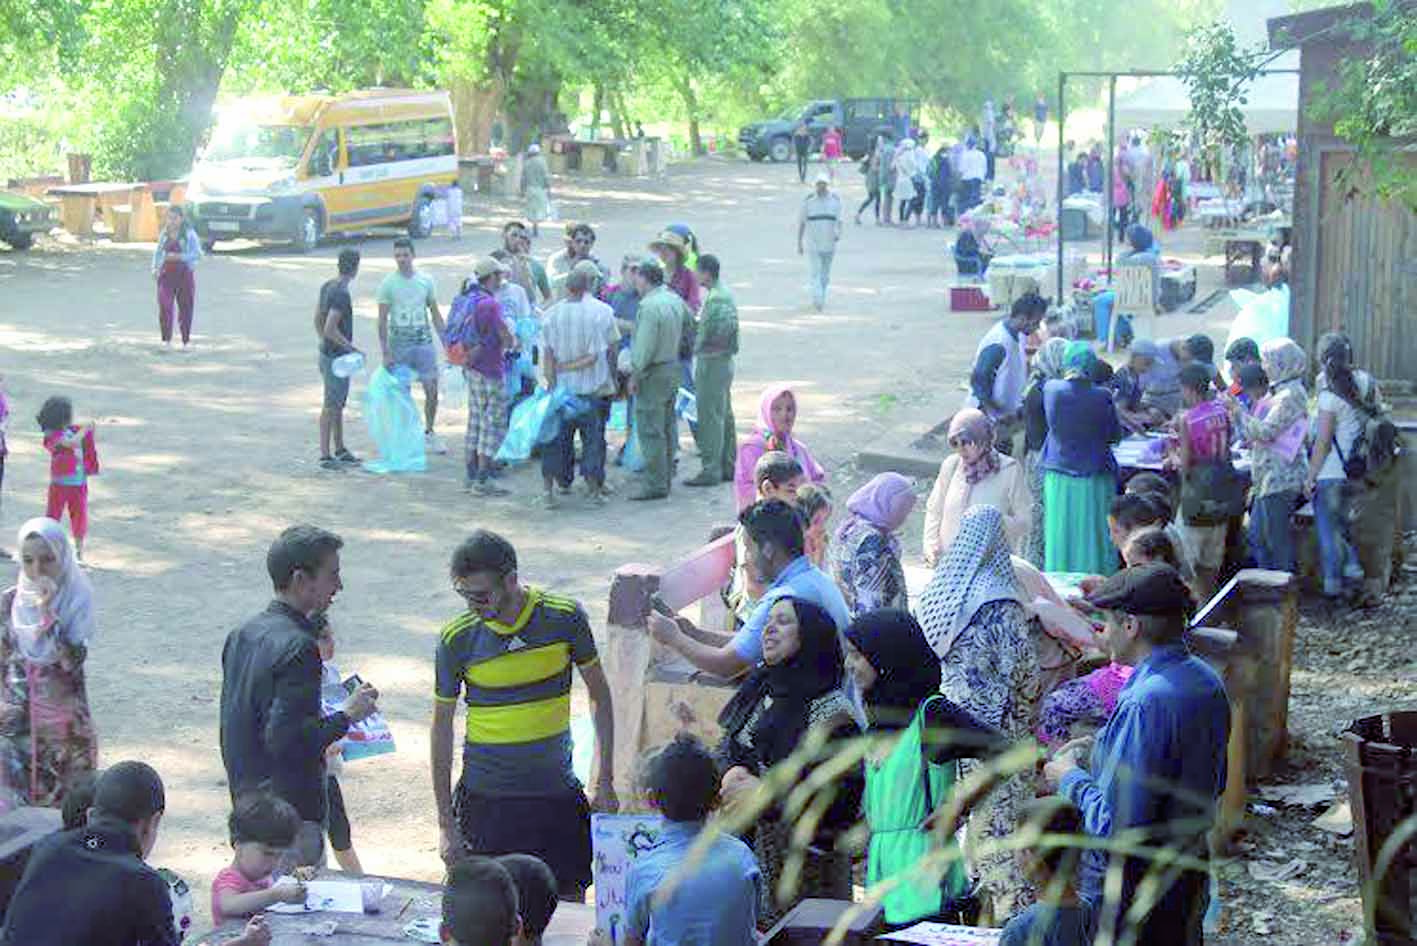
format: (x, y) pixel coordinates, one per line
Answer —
(969, 299)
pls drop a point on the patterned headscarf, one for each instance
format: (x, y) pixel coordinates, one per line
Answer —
(1048, 361)
(70, 603)
(1079, 360)
(980, 429)
(1283, 360)
(974, 570)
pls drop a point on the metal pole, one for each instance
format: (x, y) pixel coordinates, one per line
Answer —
(1062, 115)
(1107, 184)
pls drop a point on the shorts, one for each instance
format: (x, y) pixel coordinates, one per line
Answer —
(422, 357)
(336, 388)
(337, 819)
(1207, 544)
(555, 828)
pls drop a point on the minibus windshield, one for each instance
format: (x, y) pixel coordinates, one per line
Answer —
(234, 140)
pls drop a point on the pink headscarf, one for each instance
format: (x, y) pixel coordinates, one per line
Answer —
(765, 439)
(980, 429)
(885, 502)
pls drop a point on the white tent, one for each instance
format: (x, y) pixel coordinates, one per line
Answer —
(1271, 106)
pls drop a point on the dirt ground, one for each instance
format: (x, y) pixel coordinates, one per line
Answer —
(208, 454)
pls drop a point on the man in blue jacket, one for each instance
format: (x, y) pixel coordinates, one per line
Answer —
(1156, 768)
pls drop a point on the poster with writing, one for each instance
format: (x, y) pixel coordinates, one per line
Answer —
(617, 842)
(944, 934)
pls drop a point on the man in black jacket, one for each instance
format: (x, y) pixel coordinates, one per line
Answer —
(90, 885)
(273, 732)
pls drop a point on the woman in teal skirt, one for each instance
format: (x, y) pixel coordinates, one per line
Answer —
(1079, 471)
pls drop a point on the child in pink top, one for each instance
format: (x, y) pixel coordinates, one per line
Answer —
(263, 827)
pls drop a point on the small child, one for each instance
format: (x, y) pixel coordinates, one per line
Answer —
(453, 199)
(1059, 918)
(78, 799)
(814, 501)
(333, 695)
(262, 828)
(73, 459)
(536, 895)
(479, 905)
(716, 899)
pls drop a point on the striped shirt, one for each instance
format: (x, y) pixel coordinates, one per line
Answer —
(516, 681)
(574, 329)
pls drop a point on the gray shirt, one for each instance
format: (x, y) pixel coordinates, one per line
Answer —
(822, 216)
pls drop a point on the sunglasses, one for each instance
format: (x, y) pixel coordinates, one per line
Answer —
(468, 594)
(962, 440)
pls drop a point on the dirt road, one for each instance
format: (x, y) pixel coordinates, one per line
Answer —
(207, 455)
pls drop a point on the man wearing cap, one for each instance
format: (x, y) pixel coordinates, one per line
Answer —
(818, 230)
(579, 340)
(477, 326)
(89, 885)
(654, 379)
(1158, 766)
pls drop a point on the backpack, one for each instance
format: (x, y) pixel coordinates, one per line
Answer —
(460, 335)
(1377, 445)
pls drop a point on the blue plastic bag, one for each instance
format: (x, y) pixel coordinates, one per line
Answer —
(394, 423)
(536, 420)
(619, 419)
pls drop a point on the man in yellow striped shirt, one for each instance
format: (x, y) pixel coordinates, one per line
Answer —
(509, 656)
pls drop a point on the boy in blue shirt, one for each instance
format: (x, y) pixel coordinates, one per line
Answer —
(1060, 917)
(710, 899)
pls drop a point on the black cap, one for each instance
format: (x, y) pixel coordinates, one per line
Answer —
(129, 791)
(1152, 589)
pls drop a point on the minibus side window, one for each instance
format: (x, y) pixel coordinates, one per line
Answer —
(324, 157)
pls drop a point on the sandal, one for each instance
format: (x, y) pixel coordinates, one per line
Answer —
(344, 456)
(329, 463)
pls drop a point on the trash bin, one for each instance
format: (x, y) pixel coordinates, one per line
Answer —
(1381, 763)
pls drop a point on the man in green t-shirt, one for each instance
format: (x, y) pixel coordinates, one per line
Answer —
(407, 298)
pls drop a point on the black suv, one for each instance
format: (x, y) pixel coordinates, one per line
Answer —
(860, 121)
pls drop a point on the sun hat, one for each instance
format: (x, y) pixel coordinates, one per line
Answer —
(488, 265)
(670, 239)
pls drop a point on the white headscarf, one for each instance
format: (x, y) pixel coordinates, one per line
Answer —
(975, 570)
(71, 605)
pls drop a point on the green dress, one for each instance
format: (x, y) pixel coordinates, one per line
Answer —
(896, 805)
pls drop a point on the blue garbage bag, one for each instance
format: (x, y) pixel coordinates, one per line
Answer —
(632, 459)
(536, 420)
(619, 416)
(395, 425)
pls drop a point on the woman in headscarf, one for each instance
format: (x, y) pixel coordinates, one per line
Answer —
(46, 622)
(777, 415)
(1279, 466)
(913, 769)
(974, 620)
(865, 553)
(1079, 471)
(974, 475)
(796, 691)
(536, 186)
(1047, 366)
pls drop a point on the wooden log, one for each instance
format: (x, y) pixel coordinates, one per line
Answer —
(143, 221)
(1267, 615)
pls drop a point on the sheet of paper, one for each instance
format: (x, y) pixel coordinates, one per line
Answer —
(944, 934)
(328, 896)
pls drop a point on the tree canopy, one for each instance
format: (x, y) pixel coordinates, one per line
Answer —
(134, 81)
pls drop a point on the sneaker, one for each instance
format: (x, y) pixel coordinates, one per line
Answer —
(434, 444)
(489, 488)
(330, 463)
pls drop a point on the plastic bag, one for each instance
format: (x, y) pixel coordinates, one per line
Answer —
(394, 423)
(619, 419)
(1261, 317)
(686, 405)
(452, 386)
(633, 460)
(534, 421)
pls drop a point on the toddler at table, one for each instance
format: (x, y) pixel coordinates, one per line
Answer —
(262, 828)
(479, 905)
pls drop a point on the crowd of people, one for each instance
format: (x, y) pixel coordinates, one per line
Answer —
(1086, 800)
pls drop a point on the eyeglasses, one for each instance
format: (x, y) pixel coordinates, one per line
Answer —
(962, 440)
(474, 596)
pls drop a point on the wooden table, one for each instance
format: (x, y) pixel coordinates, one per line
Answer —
(79, 201)
(410, 900)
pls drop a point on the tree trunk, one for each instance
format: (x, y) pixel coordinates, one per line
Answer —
(597, 104)
(691, 107)
(617, 114)
(189, 74)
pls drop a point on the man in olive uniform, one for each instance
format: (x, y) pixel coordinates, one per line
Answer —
(654, 359)
(715, 344)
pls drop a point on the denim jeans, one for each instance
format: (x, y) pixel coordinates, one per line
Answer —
(821, 273)
(1271, 537)
(558, 458)
(1337, 558)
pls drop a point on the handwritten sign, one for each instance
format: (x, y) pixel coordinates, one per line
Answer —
(944, 934)
(618, 841)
